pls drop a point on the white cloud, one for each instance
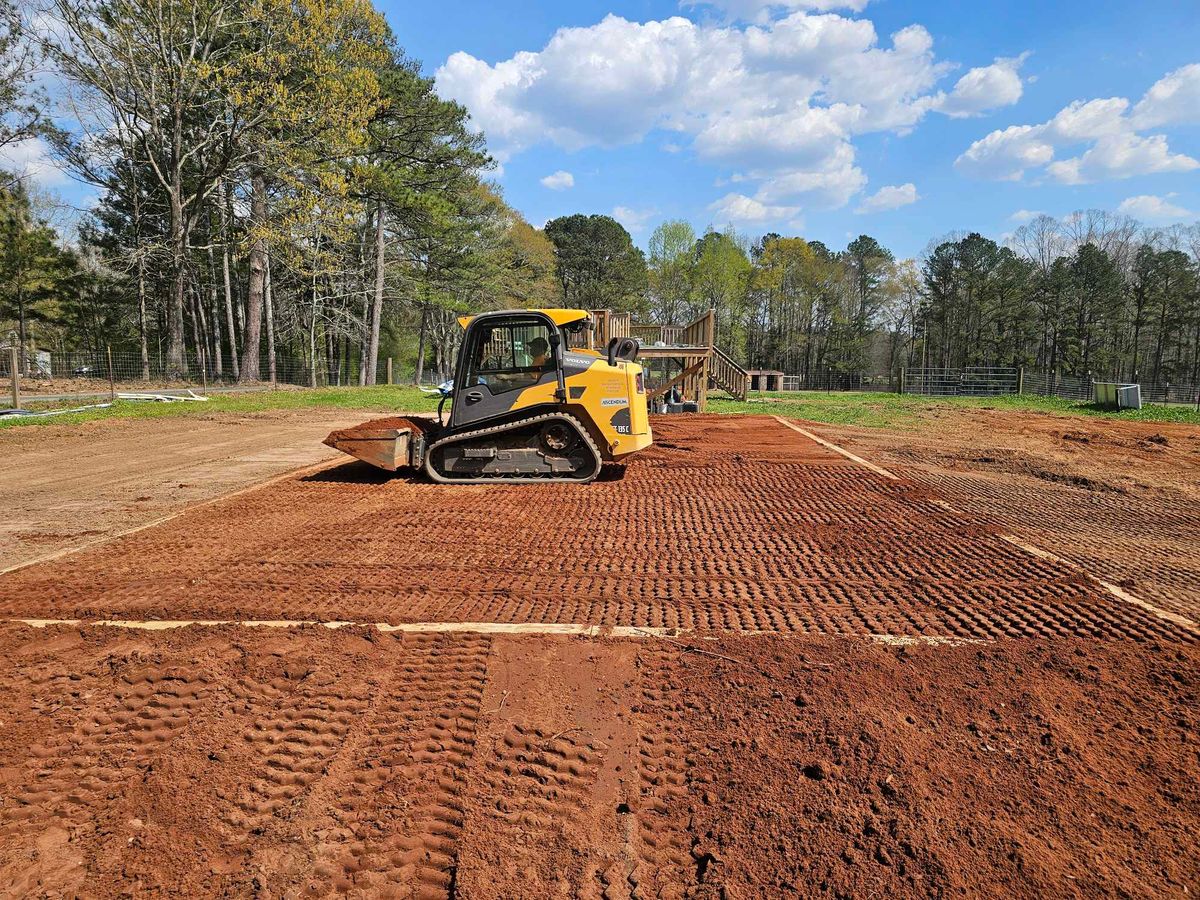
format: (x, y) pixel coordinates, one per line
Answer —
(738, 209)
(1173, 100)
(1006, 153)
(30, 158)
(890, 197)
(1155, 210)
(559, 181)
(780, 101)
(985, 88)
(1114, 148)
(634, 220)
(1121, 156)
(1025, 215)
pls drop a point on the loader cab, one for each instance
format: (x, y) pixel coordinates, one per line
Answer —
(503, 355)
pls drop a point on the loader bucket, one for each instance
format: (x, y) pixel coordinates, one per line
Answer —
(383, 443)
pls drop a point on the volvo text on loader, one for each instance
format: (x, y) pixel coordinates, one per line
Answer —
(525, 406)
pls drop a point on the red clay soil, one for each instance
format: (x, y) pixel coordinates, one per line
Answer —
(726, 523)
(1118, 497)
(374, 426)
(252, 762)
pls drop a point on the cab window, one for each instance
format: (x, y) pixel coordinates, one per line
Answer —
(510, 357)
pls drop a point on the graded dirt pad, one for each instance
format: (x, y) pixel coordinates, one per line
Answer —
(1120, 498)
(725, 523)
(1021, 731)
(67, 485)
(239, 762)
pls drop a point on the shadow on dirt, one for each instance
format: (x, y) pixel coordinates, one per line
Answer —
(357, 472)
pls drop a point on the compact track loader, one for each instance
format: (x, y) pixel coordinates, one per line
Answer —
(524, 406)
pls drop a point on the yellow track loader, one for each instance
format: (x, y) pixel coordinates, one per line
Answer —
(525, 407)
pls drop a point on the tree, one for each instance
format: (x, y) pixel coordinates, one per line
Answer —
(310, 88)
(720, 280)
(157, 79)
(598, 266)
(35, 274)
(670, 271)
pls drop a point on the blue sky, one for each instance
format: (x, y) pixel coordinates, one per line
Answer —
(792, 117)
(818, 118)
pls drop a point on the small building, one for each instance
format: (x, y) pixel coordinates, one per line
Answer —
(765, 379)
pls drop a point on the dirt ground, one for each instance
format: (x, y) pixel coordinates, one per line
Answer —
(1121, 499)
(869, 686)
(67, 485)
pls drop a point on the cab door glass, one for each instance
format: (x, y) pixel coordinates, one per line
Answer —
(510, 357)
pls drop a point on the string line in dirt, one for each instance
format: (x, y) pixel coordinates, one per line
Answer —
(514, 628)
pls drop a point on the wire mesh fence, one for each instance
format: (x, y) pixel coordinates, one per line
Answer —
(840, 381)
(86, 372)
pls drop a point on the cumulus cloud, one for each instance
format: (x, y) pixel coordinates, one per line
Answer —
(738, 209)
(634, 220)
(890, 197)
(1121, 156)
(30, 158)
(985, 88)
(1025, 215)
(777, 103)
(1172, 100)
(1156, 210)
(1114, 148)
(559, 181)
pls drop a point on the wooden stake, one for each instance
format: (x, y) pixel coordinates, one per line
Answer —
(389, 370)
(112, 386)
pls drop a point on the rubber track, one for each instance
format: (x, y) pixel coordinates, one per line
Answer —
(515, 479)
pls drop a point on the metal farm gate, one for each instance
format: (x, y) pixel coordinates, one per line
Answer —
(975, 381)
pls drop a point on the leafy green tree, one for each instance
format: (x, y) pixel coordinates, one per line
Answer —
(720, 282)
(670, 271)
(598, 265)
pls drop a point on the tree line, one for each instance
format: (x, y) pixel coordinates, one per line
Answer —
(280, 181)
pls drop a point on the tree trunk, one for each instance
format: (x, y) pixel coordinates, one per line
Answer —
(252, 340)
(229, 323)
(143, 344)
(420, 350)
(218, 364)
(271, 370)
(176, 364)
(377, 309)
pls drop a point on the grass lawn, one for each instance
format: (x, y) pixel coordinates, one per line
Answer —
(384, 399)
(885, 410)
(872, 410)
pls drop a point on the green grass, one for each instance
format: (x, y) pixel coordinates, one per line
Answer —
(880, 410)
(872, 410)
(382, 399)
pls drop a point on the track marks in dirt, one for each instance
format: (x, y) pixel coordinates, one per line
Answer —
(664, 864)
(540, 779)
(74, 766)
(292, 747)
(751, 528)
(397, 808)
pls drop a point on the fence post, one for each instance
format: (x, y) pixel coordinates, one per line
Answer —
(1020, 380)
(900, 384)
(14, 371)
(112, 387)
(389, 370)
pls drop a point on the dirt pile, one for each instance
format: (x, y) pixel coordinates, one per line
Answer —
(373, 427)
